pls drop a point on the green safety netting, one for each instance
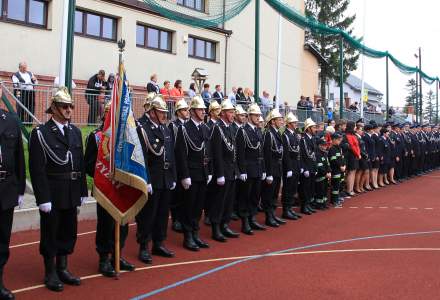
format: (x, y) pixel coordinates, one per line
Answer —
(192, 12)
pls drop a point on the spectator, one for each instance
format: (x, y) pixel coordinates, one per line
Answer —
(206, 94)
(94, 87)
(24, 90)
(265, 100)
(192, 90)
(166, 90)
(329, 114)
(302, 104)
(250, 98)
(247, 96)
(309, 103)
(240, 98)
(218, 94)
(177, 91)
(353, 106)
(152, 86)
(233, 96)
(109, 87)
(391, 111)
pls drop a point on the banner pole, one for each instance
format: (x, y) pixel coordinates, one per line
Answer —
(117, 249)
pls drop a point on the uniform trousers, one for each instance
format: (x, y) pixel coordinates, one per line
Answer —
(290, 188)
(190, 210)
(335, 187)
(269, 194)
(105, 232)
(221, 205)
(249, 197)
(58, 232)
(6, 217)
(307, 189)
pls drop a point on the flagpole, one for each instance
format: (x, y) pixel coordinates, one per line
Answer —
(361, 106)
(117, 249)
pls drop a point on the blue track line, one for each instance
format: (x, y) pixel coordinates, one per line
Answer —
(217, 269)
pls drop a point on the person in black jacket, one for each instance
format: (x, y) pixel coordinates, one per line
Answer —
(291, 166)
(384, 153)
(337, 165)
(396, 139)
(361, 178)
(371, 154)
(95, 85)
(407, 147)
(105, 224)
(273, 159)
(152, 220)
(193, 158)
(57, 170)
(323, 174)
(249, 143)
(12, 185)
(152, 86)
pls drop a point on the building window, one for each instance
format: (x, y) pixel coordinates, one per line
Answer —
(194, 4)
(31, 12)
(95, 25)
(200, 48)
(153, 38)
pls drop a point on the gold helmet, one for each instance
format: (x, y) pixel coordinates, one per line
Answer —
(227, 105)
(158, 103)
(214, 106)
(309, 123)
(148, 100)
(181, 104)
(273, 114)
(239, 110)
(290, 118)
(61, 96)
(197, 102)
(254, 109)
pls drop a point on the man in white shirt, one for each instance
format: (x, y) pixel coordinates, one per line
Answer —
(232, 96)
(24, 82)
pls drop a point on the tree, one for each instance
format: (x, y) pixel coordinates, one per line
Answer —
(333, 14)
(429, 111)
(410, 99)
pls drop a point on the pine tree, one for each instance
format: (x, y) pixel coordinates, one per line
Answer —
(410, 99)
(429, 112)
(333, 14)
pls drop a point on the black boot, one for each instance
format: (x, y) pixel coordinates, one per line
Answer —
(201, 243)
(270, 221)
(124, 265)
(5, 294)
(144, 256)
(246, 227)
(177, 226)
(188, 241)
(287, 214)
(51, 279)
(305, 210)
(105, 266)
(255, 225)
(160, 250)
(295, 214)
(217, 235)
(277, 219)
(64, 274)
(228, 232)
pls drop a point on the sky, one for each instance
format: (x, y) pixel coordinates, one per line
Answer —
(399, 27)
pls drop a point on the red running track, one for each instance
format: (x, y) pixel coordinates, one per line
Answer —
(402, 267)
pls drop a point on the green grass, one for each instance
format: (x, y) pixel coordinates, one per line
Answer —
(85, 131)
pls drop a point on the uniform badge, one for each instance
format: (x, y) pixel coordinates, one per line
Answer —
(157, 140)
(154, 146)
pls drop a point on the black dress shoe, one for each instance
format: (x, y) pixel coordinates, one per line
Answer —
(189, 243)
(51, 279)
(295, 214)
(105, 266)
(64, 274)
(287, 214)
(177, 227)
(305, 211)
(144, 256)
(246, 227)
(279, 220)
(125, 265)
(217, 235)
(6, 294)
(311, 209)
(161, 250)
(227, 232)
(270, 221)
(255, 225)
(201, 243)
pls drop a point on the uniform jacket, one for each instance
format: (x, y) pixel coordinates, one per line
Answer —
(48, 186)
(223, 151)
(273, 152)
(336, 159)
(249, 144)
(307, 152)
(370, 146)
(322, 164)
(291, 157)
(11, 161)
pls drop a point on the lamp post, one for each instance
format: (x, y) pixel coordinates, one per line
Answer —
(66, 55)
(341, 77)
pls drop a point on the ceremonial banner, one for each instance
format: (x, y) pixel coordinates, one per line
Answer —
(121, 176)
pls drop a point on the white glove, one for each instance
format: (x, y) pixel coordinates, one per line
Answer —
(263, 176)
(173, 186)
(269, 179)
(20, 201)
(209, 179)
(221, 181)
(289, 174)
(243, 177)
(186, 183)
(306, 174)
(45, 207)
(301, 171)
(83, 199)
(150, 189)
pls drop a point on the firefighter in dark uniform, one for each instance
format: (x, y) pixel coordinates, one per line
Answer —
(273, 159)
(406, 142)
(223, 154)
(193, 157)
(12, 185)
(308, 160)
(337, 166)
(152, 220)
(323, 174)
(57, 170)
(105, 225)
(182, 115)
(249, 143)
(291, 166)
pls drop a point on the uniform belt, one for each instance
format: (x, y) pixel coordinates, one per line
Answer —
(65, 176)
(4, 174)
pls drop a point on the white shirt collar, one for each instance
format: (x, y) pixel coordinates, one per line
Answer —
(60, 125)
(195, 122)
(309, 135)
(227, 125)
(239, 125)
(252, 125)
(154, 123)
(290, 130)
(182, 120)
